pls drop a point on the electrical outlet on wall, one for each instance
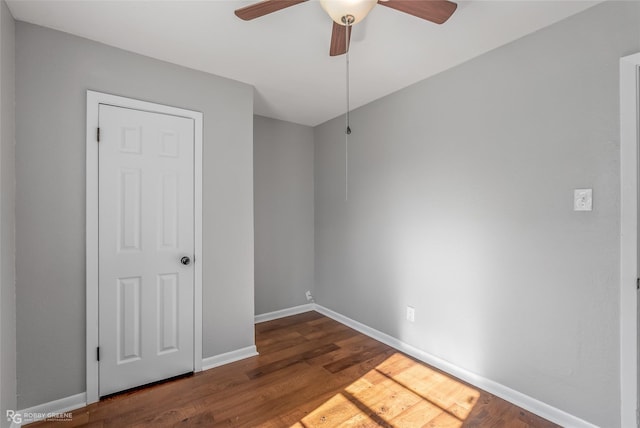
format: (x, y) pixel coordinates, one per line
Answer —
(582, 199)
(309, 296)
(411, 313)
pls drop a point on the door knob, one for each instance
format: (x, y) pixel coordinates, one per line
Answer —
(185, 261)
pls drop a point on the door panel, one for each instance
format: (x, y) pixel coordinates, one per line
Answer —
(168, 327)
(128, 313)
(128, 226)
(146, 225)
(168, 212)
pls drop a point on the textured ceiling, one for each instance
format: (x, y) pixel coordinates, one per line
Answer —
(285, 55)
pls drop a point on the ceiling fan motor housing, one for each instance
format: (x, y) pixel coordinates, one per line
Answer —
(353, 11)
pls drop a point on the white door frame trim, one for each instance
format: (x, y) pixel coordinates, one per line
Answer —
(629, 140)
(94, 99)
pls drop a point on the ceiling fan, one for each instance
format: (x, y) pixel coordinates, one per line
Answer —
(345, 13)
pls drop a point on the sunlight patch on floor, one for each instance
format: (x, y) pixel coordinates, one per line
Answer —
(399, 392)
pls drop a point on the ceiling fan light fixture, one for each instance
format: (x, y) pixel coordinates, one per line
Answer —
(337, 9)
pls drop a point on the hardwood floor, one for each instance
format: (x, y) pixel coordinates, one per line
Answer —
(311, 372)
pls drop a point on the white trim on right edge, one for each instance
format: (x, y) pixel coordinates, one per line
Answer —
(528, 403)
(629, 138)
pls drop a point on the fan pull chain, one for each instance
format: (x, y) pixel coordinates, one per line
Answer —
(347, 21)
(346, 29)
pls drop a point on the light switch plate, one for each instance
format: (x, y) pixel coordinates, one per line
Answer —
(582, 199)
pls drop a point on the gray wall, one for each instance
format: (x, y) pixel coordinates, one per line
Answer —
(460, 204)
(283, 199)
(54, 70)
(7, 215)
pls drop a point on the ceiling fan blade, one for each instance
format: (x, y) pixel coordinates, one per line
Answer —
(338, 45)
(264, 7)
(437, 11)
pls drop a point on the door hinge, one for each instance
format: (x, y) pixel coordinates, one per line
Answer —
(98, 353)
(98, 135)
(637, 283)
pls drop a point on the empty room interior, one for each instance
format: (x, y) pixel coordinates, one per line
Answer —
(295, 213)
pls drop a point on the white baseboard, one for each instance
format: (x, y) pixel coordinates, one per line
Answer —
(228, 357)
(284, 313)
(528, 403)
(46, 410)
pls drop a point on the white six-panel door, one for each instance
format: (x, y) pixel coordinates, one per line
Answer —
(145, 234)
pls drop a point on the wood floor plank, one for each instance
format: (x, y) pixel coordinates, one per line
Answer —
(351, 344)
(311, 372)
(355, 359)
(280, 364)
(384, 399)
(418, 415)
